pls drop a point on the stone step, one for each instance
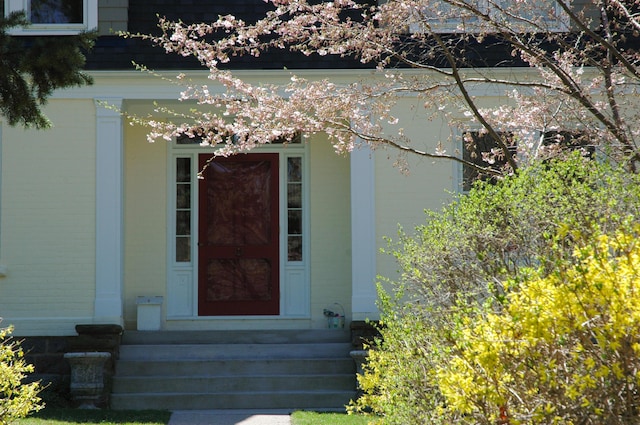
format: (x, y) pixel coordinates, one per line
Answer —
(235, 337)
(229, 384)
(308, 369)
(236, 367)
(317, 400)
(234, 351)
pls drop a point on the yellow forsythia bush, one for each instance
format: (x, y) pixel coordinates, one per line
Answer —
(560, 349)
(17, 398)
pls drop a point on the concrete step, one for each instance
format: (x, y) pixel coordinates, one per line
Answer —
(234, 370)
(231, 384)
(236, 367)
(236, 337)
(317, 400)
(234, 351)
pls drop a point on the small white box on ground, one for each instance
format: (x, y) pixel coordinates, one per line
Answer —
(149, 313)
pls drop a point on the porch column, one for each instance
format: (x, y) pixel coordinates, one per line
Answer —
(109, 221)
(363, 235)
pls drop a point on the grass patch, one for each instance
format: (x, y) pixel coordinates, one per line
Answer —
(315, 418)
(55, 416)
(103, 417)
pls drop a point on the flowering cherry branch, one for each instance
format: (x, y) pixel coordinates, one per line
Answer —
(582, 75)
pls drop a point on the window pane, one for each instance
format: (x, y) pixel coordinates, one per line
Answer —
(183, 249)
(294, 208)
(475, 145)
(441, 16)
(445, 11)
(238, 279)
(569, 141)
(296, 139)
(183, 196)
(183, 222)
(294, 196)
(295, 222)
(294, 248)
(238, 202)
(294, 170)
(186, 140)
(539, 12)
(183, 210)
(56, 11)
(183, 173)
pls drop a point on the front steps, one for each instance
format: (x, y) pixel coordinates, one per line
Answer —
(200, 370)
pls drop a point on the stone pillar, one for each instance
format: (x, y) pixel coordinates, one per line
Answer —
(100, 338)
(87, 377)
(359, 357)
(363, 334)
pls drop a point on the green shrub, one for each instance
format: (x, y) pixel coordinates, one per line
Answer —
(399, 383)
(453, 269)
(17, 398)
(561, 349)
(490, 234)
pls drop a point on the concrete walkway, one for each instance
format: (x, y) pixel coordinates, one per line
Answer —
(230, 417)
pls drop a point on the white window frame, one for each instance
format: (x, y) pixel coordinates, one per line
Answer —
(456, 25)
(559, 24)
(449, 25)
(182, 277)
(89, 21)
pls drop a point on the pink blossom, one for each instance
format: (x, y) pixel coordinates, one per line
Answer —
(589, 86)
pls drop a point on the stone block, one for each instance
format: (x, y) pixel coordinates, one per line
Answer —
(363, 333)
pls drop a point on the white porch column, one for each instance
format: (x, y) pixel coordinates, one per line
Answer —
(109, 221)
(363, 235)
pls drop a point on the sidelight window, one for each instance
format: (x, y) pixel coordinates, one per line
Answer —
(294, 209)
(183, 188)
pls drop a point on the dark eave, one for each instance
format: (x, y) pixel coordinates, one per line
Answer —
(117, 53)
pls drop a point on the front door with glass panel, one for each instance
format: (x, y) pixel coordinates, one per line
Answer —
(238, 246)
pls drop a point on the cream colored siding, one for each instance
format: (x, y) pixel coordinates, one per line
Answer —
(402, 198)
(330, 230)
(145, 205)
(48, 220)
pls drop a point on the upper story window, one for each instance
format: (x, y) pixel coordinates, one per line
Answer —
(532, 15)
(556, 142)
(523, 16)
(482, 150)
(444, 18)
(55, 17)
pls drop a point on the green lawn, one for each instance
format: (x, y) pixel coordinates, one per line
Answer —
(103, 417)
(54, 416)
(314, 418)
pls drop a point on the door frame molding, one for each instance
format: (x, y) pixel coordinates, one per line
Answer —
(182, 277)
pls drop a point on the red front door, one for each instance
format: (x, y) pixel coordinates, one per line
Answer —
(238, 246)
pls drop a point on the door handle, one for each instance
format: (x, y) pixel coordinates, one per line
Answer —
(238, 252)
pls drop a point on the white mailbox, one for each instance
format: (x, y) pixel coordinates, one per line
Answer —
(149, 313)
